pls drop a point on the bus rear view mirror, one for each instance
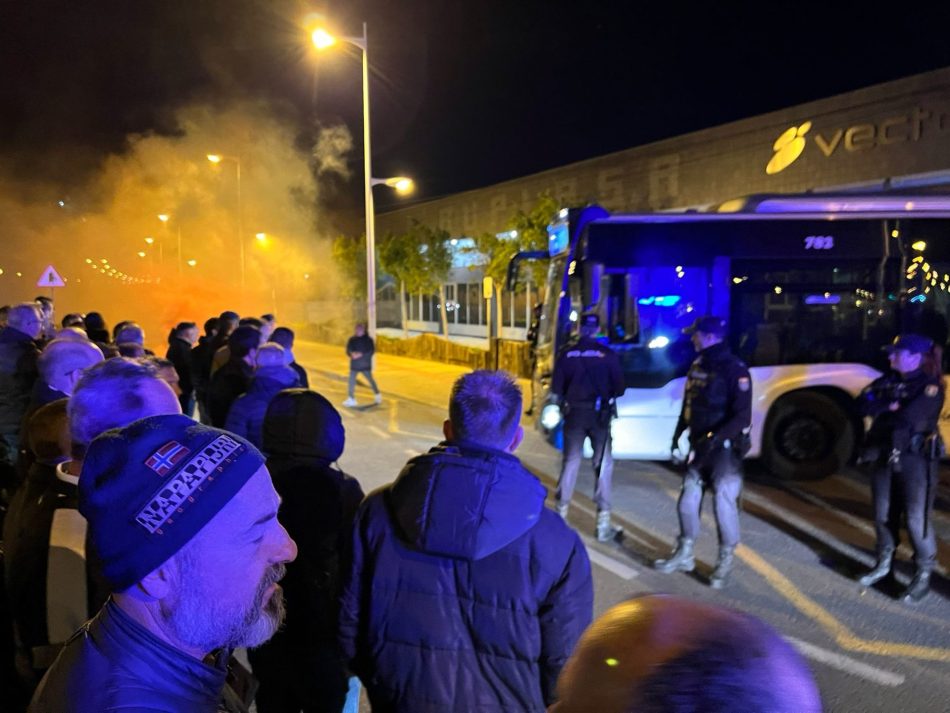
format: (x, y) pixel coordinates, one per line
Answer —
(593, 274)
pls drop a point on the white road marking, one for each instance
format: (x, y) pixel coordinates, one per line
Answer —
(379, 432)
(609, 563)
(848, 664)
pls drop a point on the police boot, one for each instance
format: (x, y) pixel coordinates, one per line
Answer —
(918, 588)
(605, 531)
(681, 560)
(717, 580)
(882, 568)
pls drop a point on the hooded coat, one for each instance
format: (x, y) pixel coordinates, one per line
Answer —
(246, 415)
(463, 592)
(301, 666)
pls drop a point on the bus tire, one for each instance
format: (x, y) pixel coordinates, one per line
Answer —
(807, 435)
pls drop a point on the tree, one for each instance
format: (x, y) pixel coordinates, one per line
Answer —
(349, 254)
(420, 261)
(529, 231)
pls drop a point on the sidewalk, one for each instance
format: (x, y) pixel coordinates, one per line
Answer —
(425, 382)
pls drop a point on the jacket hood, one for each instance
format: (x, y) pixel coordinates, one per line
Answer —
(465, 501)
(273, 378)
(302, 424)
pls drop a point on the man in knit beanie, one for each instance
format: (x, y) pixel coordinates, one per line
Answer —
(184, 518)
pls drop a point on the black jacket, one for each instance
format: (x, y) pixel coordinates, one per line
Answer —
(318, 505)
(228, 382)
(113, 664)
(585, 371)
(718, 398)
(919, 400)
(463, 592)
(18, 372)
(179, 354)
(365, 346)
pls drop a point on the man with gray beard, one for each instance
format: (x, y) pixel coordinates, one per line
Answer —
(184, 519)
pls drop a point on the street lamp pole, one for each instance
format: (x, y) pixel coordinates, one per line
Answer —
(217, 158)
(321, 40)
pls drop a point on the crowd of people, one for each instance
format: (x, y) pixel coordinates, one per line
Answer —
(161, 513)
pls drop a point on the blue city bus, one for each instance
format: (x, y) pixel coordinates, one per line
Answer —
(812, 287)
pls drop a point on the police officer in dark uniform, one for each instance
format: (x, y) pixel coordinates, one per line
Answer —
(587, 380)
(903, 448)
(717, 411)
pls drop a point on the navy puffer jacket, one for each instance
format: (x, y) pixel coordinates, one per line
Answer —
(464, 593)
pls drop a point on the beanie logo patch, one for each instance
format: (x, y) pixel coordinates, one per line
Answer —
(162, 460)
(187, 482)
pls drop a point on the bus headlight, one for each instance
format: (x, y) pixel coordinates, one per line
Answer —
(551, 416)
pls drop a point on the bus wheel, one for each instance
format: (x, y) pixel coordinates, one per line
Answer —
(807, 435)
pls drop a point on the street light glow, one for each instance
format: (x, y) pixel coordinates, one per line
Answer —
(261, 236)
(141, 253)
(163, 217)
(404, 186)
(919, 246)
(192, 263)
(150, 240)
(322, 39)
(214, 158)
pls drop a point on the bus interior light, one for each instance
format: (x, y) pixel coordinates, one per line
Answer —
(660, 301)
(825, 299)
(919, 298)
(658, 342)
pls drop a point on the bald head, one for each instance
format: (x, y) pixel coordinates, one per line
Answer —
(63, 362)
(663, 653)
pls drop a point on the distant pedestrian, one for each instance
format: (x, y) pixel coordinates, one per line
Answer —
(903, 449)
(201, 356)
(717, 412)
(97, 329)
(588, 379)
(18, 373)
(463, 592)
(360, 349)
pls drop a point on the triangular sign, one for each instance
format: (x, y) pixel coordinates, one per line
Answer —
(50, 278)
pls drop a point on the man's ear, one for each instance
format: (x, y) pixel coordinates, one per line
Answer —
(447, 430)
(157, 584)
(516, 440)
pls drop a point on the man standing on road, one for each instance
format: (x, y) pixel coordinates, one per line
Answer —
(717, 411)
(463, 592)
(587, 380)
(184, 517)
(360, 349)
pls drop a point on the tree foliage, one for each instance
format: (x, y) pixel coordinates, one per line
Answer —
(531, 234)
(420, 258)
(349, 254)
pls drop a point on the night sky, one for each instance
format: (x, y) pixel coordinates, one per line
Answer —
(464, 94)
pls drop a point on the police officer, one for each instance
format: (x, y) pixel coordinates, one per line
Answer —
(903, 448)
(587, 380)
(717, 411)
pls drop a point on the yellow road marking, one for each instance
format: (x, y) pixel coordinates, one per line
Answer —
(838, 631)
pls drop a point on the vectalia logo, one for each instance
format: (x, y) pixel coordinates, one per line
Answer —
(788, 147)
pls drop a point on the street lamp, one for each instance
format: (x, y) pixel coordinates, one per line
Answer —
(216, 159)
(321, 40)
(402, 184)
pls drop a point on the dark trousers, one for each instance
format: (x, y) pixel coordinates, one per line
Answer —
(910, 492)
(582, 423)
(367, 374)
(722, 472)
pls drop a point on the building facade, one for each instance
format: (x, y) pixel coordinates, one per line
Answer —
(891, 135)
